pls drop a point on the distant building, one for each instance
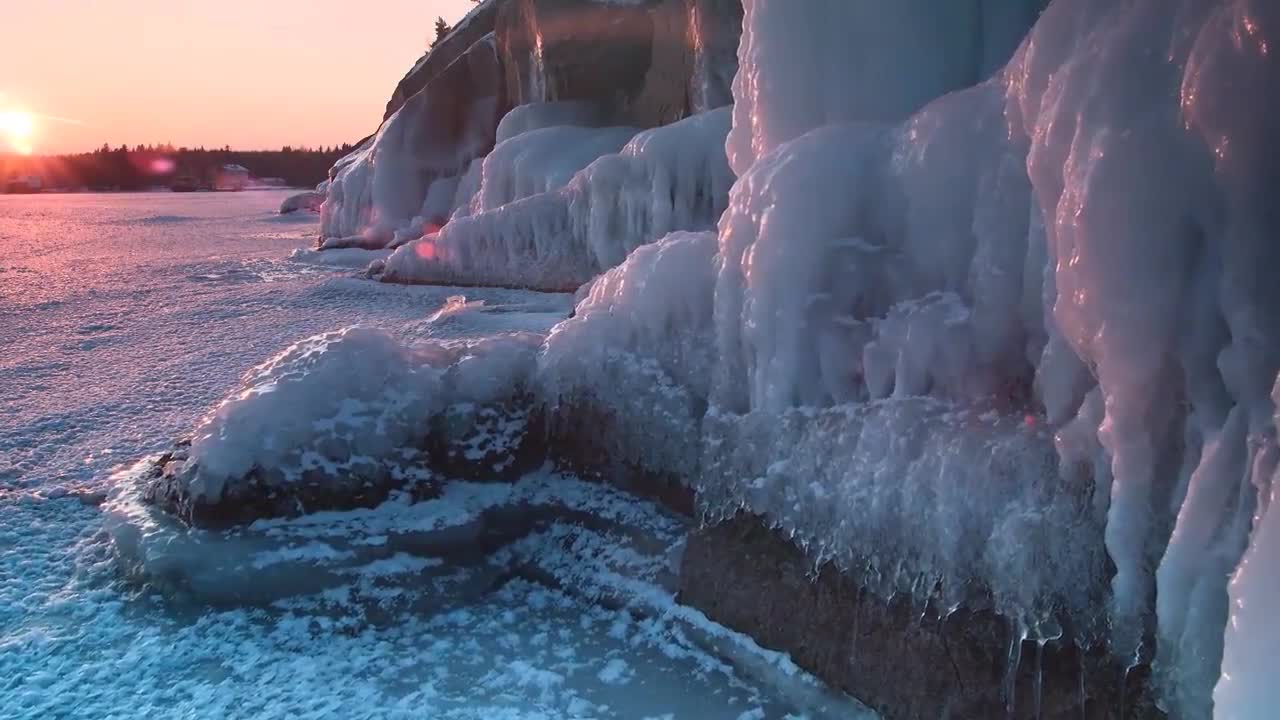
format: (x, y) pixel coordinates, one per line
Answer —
(23, 184)
(231, 177)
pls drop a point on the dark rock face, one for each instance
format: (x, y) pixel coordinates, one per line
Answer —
(442, 55)
(904, 662)
(647, 63)
(577, 439)
(266, 494)
(714, 29)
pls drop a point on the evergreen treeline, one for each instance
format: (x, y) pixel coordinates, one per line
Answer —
(147, 166)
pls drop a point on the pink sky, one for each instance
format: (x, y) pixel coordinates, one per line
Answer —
(252, 74)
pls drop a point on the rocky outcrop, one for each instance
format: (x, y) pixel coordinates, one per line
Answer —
(635, 59)
(642, 64)
(472, 29)
(905, 660)
(434, 135)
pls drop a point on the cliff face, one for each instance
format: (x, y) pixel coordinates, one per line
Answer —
(638, 65)
(651, 62)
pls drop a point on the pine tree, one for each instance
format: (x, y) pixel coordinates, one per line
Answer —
(442, 29)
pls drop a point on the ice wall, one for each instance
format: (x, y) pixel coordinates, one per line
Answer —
(384, 183)
(637, 355)
(1081, 240)
(663, 180)
(1247, 689)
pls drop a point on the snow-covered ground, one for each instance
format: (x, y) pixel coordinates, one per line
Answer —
(123, 319)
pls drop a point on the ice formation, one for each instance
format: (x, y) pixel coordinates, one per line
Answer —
(433, 136)
(308, 200)
(1082, 236)
(351, 402)
(1247, 689)
(666, 179)
(634, 363)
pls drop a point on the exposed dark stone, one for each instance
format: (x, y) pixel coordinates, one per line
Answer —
(577, 440)
(485, 442)
(442, 55)
(903, 662)
(265, 493)
(648, 63)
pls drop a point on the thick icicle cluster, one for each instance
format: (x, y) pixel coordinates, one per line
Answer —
(529, 224)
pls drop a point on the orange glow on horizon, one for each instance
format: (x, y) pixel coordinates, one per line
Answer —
(245, 73)
(17, 129)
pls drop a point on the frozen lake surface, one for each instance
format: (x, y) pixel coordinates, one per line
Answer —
(125, 318)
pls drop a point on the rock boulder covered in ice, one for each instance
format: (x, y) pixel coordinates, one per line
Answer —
(308, 200)
(1080, 241)
(343, 419)
(625, 381)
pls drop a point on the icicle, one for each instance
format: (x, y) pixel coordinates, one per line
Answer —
(1083, 696)
(1039, 674)
(1018, 634)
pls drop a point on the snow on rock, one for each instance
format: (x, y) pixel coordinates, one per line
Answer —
(308, 200)
(664, 180)
(1080, 240)
(436, 134)
(344, 418)
(633, 364)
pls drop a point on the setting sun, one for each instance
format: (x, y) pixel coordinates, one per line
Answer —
(17, 127)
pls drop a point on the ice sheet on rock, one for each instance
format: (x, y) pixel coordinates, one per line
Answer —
(350, 397)
(1247, 689)
(664, 180)
(638, 353)
(318, 552)
(807, 65)
(538, 115)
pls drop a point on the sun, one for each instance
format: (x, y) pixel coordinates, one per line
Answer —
(17, 128)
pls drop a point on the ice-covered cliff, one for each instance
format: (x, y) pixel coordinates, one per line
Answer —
(970, 300)
(615, 67)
